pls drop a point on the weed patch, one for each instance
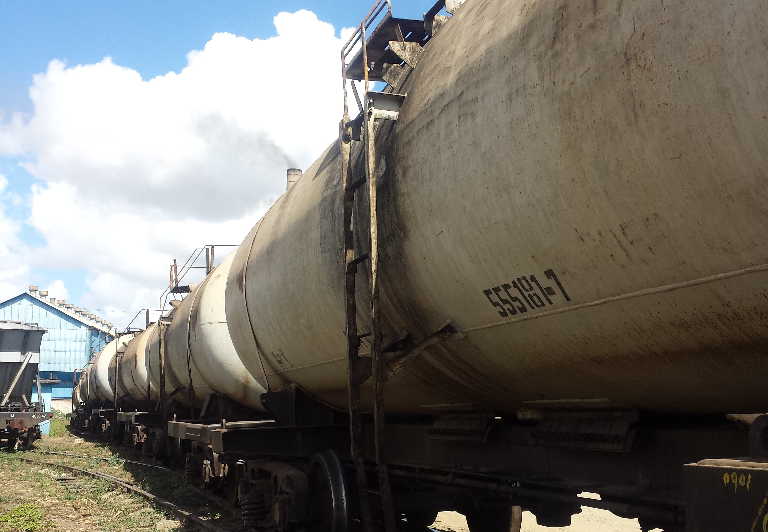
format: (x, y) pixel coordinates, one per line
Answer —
(23, 518)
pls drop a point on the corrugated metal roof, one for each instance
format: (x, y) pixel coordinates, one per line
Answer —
(81, 315)
(69, 342)
(19, 325)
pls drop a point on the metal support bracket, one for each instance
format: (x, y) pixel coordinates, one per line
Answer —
(397, 360)
(385, 105)
(409, 52)
(393, 74)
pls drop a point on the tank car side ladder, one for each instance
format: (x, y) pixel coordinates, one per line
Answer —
(393, 42)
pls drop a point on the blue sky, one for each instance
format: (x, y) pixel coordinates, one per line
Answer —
(148, 36)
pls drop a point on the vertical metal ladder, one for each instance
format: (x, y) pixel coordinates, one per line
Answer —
(392, 46)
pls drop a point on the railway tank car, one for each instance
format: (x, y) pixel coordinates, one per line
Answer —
(567, 239)
(580, 190)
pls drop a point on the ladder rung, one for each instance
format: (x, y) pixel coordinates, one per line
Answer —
(356, 126)
(357, 260)
(354, 185)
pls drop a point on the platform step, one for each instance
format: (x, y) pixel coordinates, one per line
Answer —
(379, 52)
(385, 105)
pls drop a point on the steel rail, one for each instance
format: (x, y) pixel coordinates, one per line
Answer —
(213, 498)
(168, 505)
(86, 457)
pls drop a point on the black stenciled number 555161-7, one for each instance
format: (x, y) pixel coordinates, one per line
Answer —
(525, 293)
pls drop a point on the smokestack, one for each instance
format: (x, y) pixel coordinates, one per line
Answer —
(294, 174)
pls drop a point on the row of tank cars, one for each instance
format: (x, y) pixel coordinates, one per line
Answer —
(20, 417)
(571, 215)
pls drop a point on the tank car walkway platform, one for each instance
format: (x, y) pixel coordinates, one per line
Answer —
(379, 50)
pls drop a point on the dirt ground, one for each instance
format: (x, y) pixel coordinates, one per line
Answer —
(45, 498)
(42, 498)
(589, 520)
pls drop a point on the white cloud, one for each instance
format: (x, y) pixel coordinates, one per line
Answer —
(209, 141)
(13, 266)
(137, 171)
(58, 290)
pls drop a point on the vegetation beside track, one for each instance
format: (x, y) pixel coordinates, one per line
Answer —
(44, 498)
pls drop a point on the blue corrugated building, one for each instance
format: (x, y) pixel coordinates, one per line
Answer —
(73, 336)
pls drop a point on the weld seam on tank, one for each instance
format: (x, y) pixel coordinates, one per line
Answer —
(306, 366)
(195, 299)
(245, 297)
(630, 295)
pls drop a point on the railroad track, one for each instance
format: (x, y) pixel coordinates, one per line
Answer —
(185, 515)
(180, 512)
(87, 457)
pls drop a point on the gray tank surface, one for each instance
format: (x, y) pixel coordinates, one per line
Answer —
(134, 380)
(578, 187)
(101, 379)
(200, 357)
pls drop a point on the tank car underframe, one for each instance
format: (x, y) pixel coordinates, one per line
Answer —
(655, 468)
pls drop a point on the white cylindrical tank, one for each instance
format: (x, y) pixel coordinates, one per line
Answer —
(579, 188)
(152, 362)
(213, 354)
(124, 378)
(189, 386)
(175, 376)
(100, 379)
(200, 357)
(133, 370)
(85, 383)
(78, 391)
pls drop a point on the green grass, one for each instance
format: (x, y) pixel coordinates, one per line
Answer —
(58, 424)
(23, 518)
(64, 499)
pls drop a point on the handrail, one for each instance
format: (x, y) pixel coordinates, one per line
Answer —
(432, 13)
(375, 11)
(360, 37)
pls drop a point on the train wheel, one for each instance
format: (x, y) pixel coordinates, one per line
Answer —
(329, 500)
(22, 441)
(495, 519)
(252, 498)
